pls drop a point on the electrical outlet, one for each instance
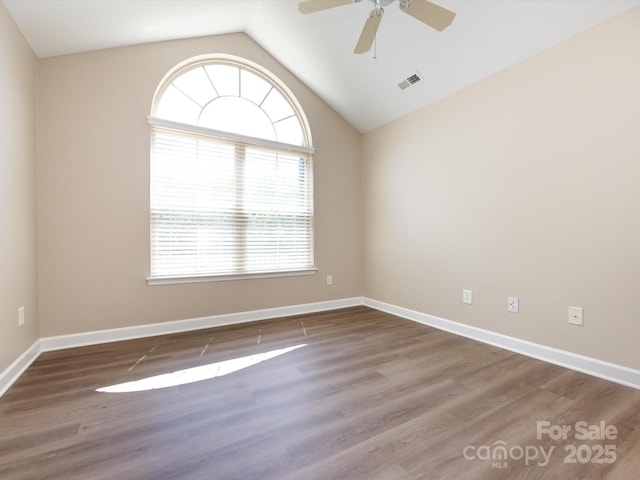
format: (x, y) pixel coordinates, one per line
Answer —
(329, 279)
(513, 304)
(575, 316)
(467, 297)
(21, 316)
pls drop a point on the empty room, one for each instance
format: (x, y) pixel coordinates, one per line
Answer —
(319, 239)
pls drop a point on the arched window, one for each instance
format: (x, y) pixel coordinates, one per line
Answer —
(231, 175)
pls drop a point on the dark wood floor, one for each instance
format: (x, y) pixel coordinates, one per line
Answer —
(370, 396)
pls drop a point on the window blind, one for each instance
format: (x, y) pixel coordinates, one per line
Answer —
(225, 207)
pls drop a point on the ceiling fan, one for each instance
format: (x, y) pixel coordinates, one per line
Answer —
(427, 12)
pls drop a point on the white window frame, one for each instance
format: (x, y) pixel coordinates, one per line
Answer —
(306, 150)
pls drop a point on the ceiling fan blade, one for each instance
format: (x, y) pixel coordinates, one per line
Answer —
(433, 15)
(311, 6)
(369, 31)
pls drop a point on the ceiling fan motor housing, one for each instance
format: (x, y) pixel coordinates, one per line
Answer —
(404, 4)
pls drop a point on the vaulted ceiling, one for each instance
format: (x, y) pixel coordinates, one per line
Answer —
(486, 36)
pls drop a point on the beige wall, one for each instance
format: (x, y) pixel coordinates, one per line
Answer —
(525, 184)
(18, 261)
(93, 200)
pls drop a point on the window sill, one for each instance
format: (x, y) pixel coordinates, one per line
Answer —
(170, 280)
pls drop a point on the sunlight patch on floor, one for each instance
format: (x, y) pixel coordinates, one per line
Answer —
(196, 374)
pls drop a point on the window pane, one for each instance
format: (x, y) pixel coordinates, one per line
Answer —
(225, 78)
(276, 106)
(275, 181)
(253, 87)
(277, 201)
(289, 131)
(237, 115)
(192, 195)
(175, 105)
(196, 84)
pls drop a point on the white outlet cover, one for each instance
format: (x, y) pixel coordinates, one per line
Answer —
(467, 297)
(513, 305)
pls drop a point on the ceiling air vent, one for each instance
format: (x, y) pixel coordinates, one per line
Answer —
(410, 80)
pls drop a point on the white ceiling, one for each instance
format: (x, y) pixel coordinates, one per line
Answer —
(485, 37)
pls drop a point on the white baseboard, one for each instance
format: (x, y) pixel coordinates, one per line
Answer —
(591, 366)
(17, 368)
(177, 326)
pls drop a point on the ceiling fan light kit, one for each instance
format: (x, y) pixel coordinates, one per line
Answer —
(425, 11)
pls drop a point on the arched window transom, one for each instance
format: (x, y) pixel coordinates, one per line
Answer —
(231, 98)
